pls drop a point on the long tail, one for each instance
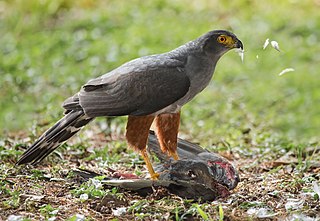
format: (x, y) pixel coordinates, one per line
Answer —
(65, 128)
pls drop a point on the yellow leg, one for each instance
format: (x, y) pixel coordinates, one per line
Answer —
(137, 136)
(146, 159)
(174, 155)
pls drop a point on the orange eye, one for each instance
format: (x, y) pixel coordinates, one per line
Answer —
(222, 39)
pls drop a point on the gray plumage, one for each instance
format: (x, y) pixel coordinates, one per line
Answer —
(148, 85)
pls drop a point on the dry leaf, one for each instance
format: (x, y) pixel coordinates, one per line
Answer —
(316, 188)
(294, 204)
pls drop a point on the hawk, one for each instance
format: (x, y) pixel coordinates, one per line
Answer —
(148, 89)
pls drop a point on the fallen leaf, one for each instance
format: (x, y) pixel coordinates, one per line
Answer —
(294, 204)
(79, 217)
(261, 212)
(15, 218)
(300, 217)
(84, 197)
(32, 197)
(52, 218)
(54, 212)
(119, 211)
(316, 188)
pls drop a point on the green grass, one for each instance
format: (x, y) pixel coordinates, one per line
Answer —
(48, 49)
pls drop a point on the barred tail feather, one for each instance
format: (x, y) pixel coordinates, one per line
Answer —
(65, 128)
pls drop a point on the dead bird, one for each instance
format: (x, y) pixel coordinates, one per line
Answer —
(192, 157)
(199, 174)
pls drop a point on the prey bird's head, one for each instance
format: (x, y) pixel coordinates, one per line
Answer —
(218, 42)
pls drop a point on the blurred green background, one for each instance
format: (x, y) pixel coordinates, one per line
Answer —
(48, 49)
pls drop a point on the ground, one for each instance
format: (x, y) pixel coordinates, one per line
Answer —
(266, 124)
(273, 185)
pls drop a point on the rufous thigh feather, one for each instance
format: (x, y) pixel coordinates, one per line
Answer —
(138, 131)
(137, 135)
(167, 127)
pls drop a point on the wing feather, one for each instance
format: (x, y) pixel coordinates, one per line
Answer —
(140, 87)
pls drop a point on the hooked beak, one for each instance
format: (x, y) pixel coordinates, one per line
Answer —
(239, 48)
(238, 44)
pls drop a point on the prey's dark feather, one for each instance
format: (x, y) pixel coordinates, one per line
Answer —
(198, 178)
(196, 160)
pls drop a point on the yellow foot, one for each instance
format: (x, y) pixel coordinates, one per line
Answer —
(154, 176)
(174, 155)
